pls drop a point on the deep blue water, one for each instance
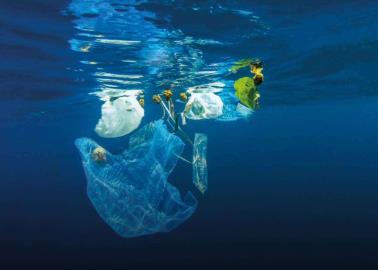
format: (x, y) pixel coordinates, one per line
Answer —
(293, 187)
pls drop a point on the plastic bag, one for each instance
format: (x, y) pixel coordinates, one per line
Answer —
(119, 117)
(247, 92)
(130, 191)
(203, 106)
(200, 162)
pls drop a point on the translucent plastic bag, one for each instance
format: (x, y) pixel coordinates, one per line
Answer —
(203, 106)
(200, 162)
(130, 191)
(119, 117)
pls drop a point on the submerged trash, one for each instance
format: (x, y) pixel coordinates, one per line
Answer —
(230, 108)
(245, 63)
(247, 92)
(200, 162)
(245, 87)
(119, 117)
(244, 111)
(130, 191)
(203, 106)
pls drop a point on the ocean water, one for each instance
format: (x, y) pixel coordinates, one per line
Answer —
(294, 186)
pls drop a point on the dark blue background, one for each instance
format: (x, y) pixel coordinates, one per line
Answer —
(296, 186)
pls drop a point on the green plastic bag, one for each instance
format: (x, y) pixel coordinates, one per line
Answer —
(246, 92)
(241, 64)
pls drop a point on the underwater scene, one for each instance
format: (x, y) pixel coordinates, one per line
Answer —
(177, 134)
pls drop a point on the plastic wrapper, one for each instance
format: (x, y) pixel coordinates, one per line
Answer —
(200, 162)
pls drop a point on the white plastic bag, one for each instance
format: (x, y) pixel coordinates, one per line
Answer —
(119, 117)
(203, 106)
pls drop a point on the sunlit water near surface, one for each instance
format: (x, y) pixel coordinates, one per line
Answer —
(295, 185)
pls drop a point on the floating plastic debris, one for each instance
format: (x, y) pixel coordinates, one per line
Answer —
(200, 162)
(130, 191)
(247, 92)
(119, 117)
(244, 63)
(230, 112)
(241, 64)
(244, 111)
(203, 106)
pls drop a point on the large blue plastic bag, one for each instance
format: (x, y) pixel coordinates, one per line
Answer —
(130, 191)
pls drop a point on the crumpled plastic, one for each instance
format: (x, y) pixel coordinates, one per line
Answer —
(203, 106)
(231, 109)
(247, 92)
(119, 117)
(200, 162)
(130, 191)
